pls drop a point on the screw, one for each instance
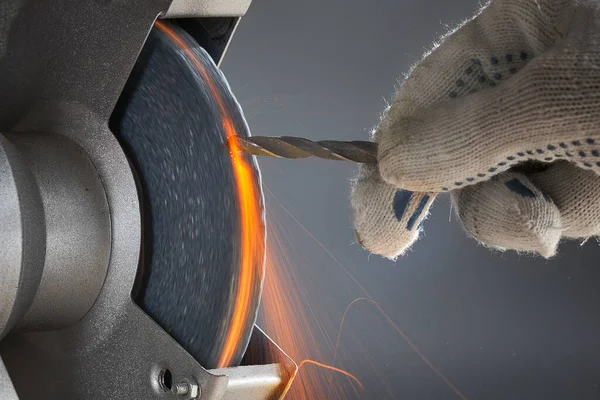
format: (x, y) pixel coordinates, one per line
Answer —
(186, 388)
(180, 389)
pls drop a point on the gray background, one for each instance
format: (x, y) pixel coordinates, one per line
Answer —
(498, 326)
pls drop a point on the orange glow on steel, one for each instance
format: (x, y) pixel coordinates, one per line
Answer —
(251, 227)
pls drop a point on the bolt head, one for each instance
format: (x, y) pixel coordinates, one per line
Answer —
(194, 391)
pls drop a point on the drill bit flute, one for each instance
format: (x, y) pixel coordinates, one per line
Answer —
(295, 147)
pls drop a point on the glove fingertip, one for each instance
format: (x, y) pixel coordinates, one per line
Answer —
(510, 213)
(387, 221)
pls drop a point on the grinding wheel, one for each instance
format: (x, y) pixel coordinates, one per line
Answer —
(170, 122)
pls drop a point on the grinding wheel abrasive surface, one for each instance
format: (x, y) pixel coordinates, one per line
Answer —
(169, 124)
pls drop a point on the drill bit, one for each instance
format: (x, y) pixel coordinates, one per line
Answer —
(296, 147)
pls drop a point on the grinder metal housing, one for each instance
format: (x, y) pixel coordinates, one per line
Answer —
(104, 292)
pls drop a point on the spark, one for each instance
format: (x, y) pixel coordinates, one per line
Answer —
(337, 342)
(400, 332)
(287, 315)
(324, 366)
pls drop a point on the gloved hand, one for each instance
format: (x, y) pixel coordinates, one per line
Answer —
(515, 87)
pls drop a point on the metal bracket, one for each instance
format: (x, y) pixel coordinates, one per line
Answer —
(265, 373)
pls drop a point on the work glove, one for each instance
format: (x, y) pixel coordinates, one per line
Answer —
(504, 114)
